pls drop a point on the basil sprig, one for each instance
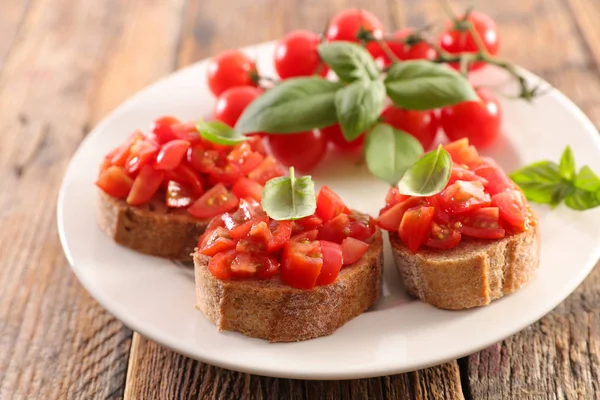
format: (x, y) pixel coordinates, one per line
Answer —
(427, 176)
(289, 198)
(349, 61)
(220, 133)
(547, 182)
(358, 107)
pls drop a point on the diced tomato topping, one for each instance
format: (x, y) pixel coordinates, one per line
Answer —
(462, 153)
(415, 225)
(145, 185)
(394, 197)
(215, 241)
(310, 222)
(302, 262)
(185, 176)
(482, 223)
(497, 179)
(362, 226)
(115, 182)
(463, 196)
(177, 196)
(332, 262)
(336, 230)
(247, 188)
(162, 129)
(121, 153)
(142, 152)
(214, 202)
(186, 131)
(511, 205)
(220, 265)
(442, 237)
(390, 218)
(268, 169)
(463, 174)
(353, 250)
(254, 265)
(330, 205)
(244, 157)
(171, 154)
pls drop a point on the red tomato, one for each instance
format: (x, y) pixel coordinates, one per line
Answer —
(177, 196)
(187, 131)
(411, 50)
(497, 179)
(391, 218)
(302, 262)
(281, 232)
(266, 170)
(301, 150)
(456, 38)
(415, 226)
(145, 185)
(243, 155)
(171, 154)
(394, 196)
(162, 129)
(334, 135)
(121, 153)
(479, 121)
(463, 174)
(463, 196)
(308, 223)
(230, 69)
(201, 158)
(254, 265)
(215, 241)
(442, 237)
(482, 223)
(346, 25)
(245, 212)
(329, 204)
(226, 174)
(232, 102)
(362, 226)
(423, 125)
(462, 153)
(353, 250)
(186, 176)
(332, 262)
(336, 229)
(247, 188)
(214, 202)
(220, 264)
(142, 152)
(296, 55)
(115, 182)
(511, 205)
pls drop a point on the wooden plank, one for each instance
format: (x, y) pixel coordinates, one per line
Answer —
(11, 20)
(56, 341)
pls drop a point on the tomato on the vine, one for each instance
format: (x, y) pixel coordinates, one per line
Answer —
(296, 55)
(479, 121)
(456, 38)
(301, 150)
(409, 49)
(230, 69)
(334, 134)
(232, 102)
(347, 24)
(423, 125)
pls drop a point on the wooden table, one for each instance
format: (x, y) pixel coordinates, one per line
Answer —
(65, 64)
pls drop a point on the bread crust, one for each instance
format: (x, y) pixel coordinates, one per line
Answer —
(151, 228)
(277, 312)
(472, 274)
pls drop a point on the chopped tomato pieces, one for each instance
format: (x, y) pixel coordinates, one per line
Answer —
(171, 154)
(442, 236)
(302, 262)
(463, 196)
(390, 218)
(330, 205)
(214, 202)
(497, 180)
(115, 182)
(511, 205)
(247, 188)
(463, 153)
(415, 225)
(353, 250)
(482, 223)
(266, 170)
(145, 185)
(216, 241)
(332, 262)
(177, 196)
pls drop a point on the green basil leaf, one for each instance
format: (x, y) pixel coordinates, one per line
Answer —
(294, 105)
(583, 200)
(358, 106)
(220, 133)
(349, 61)
(538, 181)
(586, 179)
(289, 198)
(423, 85)
(566, 167)
(560, 192)
(390, 152)
(427, 176)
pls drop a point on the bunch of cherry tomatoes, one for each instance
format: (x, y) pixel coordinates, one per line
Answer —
(233, 78)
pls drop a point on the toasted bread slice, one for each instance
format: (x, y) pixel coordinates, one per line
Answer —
(278, 312)
(471, 274)
(151, 228)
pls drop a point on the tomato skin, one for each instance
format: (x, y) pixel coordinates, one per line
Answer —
(353, 250)
(162, 129)
(296, 55)
(302, 150)
(215, 201)
(254, 265)
(423, 125)
(346, 25)
(336, 229)
(281, 232)
(329, 204)
(462, 153)
(142, 152)
(115, 182)
(230, 69)
(171, 154)
(511, 205)
(442, 237)
(463, 174)
(220, 265)
(216, 241)
(266, 170)
(497, 180)
(479, 121)
(144, 186)
(405, 51)
(463, 196)
(482, 223)
(390, 219)
(186, 176)
(245, 157)
(394, 196)
(302, 262)
(247, 188)
(415, 225)
(232, 103)
(177, 196)
(335, 136)
(332, 263)
(455, 41)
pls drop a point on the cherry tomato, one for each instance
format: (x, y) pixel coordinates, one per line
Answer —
(463, 174)
(482, 223)
(302, 262)
(334, 135)
(412, 50)
(497, 180)
(145, 185)
(415, 226)
(186, 131)
(120, 155)
(296, 55)
(423, 125)
(232, 102)
(336, 229)
(247, 188)
(362, 226)
(215, 241)
(301, 150)
(115, 182)
(394, 196)
(456, 38)
(511, 205)
(162, 129)
(347, 24)
(330, 205)
(187, 177)
(266, 170)
(463, 153)
(463, 196)
(177, 196)
(214, 202)
(142, 152)
(254, 265)
(332, 262)
(479, 121)
(230, 69)
(353, 250)
(246, 158)
(307, 223)
(220, 265)
(171, 154)
(390, 219)
(442, 237)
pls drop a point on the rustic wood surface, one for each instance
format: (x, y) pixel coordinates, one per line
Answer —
(64, 64)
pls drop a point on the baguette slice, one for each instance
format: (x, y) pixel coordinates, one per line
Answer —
(471, 274)
(151, 228)
(277, 312)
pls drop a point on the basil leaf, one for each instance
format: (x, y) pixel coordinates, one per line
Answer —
(586, 179)
(349, 61)
(560, 192)
(423, 85)
(294, 105)
(289, 198)
(583, 200)
(429, 175)
(390, 153)
(566, 168)
(358, 106)
(538, 181)
(220, 133)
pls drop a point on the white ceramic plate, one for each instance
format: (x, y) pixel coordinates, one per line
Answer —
(156, 298)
